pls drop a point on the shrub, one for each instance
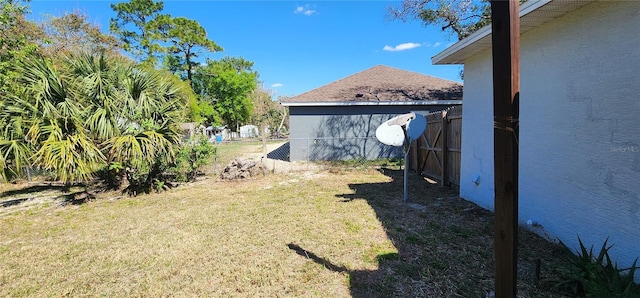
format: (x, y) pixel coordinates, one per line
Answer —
(594, 275)
(193, 155)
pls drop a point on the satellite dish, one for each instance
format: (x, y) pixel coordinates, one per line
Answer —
(402, 130)
(390, 134)
(416, 127)
(392, 131)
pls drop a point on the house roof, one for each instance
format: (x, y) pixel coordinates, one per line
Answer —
(382, 85)
(533, 13)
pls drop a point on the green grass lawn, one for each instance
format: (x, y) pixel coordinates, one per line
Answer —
(311, 234)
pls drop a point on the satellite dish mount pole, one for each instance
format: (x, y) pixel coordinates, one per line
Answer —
(399, 131)
(407, 148)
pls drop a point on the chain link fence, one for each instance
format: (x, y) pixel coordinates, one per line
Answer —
(362, 149)
(301, 154)
(290, 155)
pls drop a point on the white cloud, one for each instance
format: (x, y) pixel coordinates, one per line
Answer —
(401, 47)
(432, 45)
(304, 10)
(276, 85)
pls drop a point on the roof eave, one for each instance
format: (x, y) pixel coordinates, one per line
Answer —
(373, 103)
(448, 55)
(481, 39)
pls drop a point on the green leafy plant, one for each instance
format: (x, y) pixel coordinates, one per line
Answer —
(193, 155)
(594, 275)
(145, 178)
(111, 175)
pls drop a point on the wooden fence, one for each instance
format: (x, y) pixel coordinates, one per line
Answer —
(437, 153)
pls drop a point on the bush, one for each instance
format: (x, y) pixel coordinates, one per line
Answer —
(193, 155)
(141, 177)
(598, 276)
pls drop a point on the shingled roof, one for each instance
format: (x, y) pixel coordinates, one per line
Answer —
(382, 84)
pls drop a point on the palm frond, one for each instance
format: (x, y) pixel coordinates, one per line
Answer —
(158, 143)
(14, 156)
(102, 123)
(44, 85)
(124, 149)
(141, 93)
(73, 158)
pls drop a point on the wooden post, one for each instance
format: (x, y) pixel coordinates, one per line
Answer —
(416, 154)
(445, 150)
(419, 146)
(505, 27)
(263, 128)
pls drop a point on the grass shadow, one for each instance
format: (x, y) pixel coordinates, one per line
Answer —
(14, 202)
(76, 198)
(322, 261)
(57, 192)
(35, 189)
(444, 244)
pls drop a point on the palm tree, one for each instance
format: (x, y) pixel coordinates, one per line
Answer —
(56, 129)
(149, 126)
(89, 112)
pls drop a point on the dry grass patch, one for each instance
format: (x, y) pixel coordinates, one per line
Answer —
(211, 239)
(315, 235)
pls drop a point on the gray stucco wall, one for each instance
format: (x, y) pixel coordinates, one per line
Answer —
(343, 133)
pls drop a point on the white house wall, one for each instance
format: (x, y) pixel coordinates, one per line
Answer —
(477, 132)
(579, 128)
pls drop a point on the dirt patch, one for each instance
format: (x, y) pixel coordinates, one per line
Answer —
(276, 159)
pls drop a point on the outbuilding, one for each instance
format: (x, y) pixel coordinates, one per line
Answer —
(338, 121)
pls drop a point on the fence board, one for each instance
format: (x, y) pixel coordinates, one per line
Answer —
(437, 153)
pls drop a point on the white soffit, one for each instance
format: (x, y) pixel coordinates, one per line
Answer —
(533, 13)
(373, 103)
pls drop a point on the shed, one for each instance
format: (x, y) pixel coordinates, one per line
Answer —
(338, 121)
(249, 131)
(579, 136)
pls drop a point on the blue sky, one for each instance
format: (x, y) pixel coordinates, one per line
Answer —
(298, 45)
